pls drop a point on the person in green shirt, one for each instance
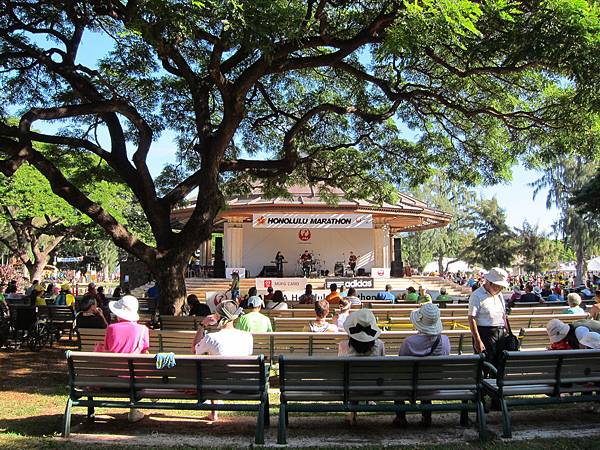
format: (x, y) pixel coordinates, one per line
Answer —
(254, 321)
(411, 295)
(443, 297)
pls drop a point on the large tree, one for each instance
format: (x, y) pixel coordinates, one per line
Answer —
(317, 87)
(494, 243)
(38, 221)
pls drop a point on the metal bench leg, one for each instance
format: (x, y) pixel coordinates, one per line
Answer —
(91, 413)
(259, 438)
(464, 415)
(481, 420)
(506, 422)
(281, 432)
(67, 419)
(267, 413)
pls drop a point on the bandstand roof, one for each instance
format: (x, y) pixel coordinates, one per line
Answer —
(407, 214)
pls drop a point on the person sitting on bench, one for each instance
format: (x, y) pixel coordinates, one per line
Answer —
(126, 336)
(429, 341)
(228, 341)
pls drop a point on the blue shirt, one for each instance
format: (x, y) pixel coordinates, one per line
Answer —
(385, 295)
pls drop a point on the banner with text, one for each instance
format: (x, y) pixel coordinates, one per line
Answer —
(357, 283)
(281, 284)
(275, 220)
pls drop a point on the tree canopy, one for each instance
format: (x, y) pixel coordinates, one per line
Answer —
(286, 92)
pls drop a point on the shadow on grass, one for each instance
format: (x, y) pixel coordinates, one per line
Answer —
(32, 426)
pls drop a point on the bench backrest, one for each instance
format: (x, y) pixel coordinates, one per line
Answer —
(372, 378)
(555, 367)
(519, 311)
(274, 344)
(540, 320)
(534, 339)
(180, 322)
(244, 376)
(59, 314)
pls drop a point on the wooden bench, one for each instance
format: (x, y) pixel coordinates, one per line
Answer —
(541, 320)
(180, 322)
(449, 323)
(60, 319)
(534, 339)
(309, 384)
(521, 311)
(272, 345)
(541, 378)
(109, 380)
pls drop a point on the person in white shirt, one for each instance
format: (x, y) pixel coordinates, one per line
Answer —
(228, 341)
(487, 315)
(277, 302)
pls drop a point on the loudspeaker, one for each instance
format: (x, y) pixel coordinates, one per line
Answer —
(219, 268)
(218, 249)
(397, 269)
(269, 271)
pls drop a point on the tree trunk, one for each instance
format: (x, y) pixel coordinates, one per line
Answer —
(441, 265)
(579, 264)
(36, 271)
(171, 287)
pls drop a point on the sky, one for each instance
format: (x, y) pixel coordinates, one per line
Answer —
(515, 197)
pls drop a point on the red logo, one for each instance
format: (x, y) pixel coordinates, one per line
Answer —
(304, 234)
(380, 272)
(268, 283)
(261, 220)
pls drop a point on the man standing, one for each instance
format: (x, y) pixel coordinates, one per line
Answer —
(487, 315)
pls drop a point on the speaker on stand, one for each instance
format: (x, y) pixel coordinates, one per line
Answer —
(219, 269)
(397, 269)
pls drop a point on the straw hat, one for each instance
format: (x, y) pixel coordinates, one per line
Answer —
(557, 330)
(426, 319)
(38, 288)
(65, 287)
(229, 311)
(125, 308)
(498, 276)
(362, 326)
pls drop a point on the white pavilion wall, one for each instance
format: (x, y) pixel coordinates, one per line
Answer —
(261, 244)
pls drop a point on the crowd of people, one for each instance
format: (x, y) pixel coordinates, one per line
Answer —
(237, 318)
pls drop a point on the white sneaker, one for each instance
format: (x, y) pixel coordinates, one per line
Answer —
(135, 415)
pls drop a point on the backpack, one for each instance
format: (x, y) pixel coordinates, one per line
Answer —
(61, 299)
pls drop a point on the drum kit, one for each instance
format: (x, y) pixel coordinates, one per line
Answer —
(310, 268)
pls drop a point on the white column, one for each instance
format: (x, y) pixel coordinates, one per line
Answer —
(382, 250)
(233, 244)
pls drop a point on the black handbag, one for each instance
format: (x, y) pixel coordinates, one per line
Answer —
(511, 342)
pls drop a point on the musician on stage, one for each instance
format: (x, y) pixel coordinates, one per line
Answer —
(306, 259)
(352, 259)
(279, 258)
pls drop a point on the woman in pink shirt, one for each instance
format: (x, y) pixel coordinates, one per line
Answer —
(127, 336)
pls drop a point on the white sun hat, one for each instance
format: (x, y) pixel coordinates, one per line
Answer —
(125, 308)
(426, 319)
(557, 330)
(498, 276)
(591, 340)
(362, 326)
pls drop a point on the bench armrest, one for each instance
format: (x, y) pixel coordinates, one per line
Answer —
(491, 367)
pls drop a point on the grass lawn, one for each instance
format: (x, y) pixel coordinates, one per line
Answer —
(33, 397)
